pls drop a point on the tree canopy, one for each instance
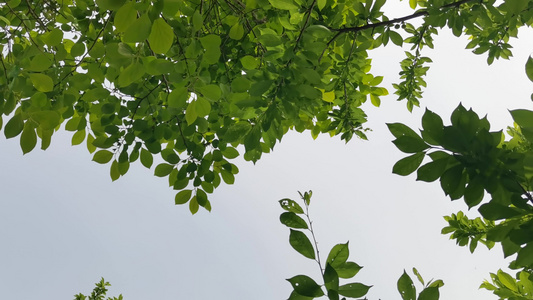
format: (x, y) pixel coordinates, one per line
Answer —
(191, 81)
(198, 83)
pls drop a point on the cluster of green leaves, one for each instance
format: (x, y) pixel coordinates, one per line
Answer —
(507, 287)
(407, 289)
(197, 83)
(465, 230)
(337, 264)
(98, 293)
(472, 162)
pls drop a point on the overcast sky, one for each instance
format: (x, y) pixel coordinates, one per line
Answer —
(64, 224)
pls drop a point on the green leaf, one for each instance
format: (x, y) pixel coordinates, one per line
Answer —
(523, 117)
(348, 269)
(197, 21)
(450, 179)
(124, 17)
(418, 276)
(193, 205)
(432, 170)
(201, 197)
(409, 144)
(211, 44)
(412, 4)
(190, 113)
(305, 286)
(42, 83)
(496, 211)
(432, 125)
(138, 31)
(474, 193)
(292, 220)
(283, 4)
(408, 165)
(429, 293)
(161, 36)
(291, 206)
(230, 153)
(202, 107)
(525, 256)
(78, 137)
(178, 97)
(300, 242)
(396, 38)
(47, 119)
(163, 169)
(269, 40)
(28, 138)
(331, 279)
(338, 255)
(236, 31)
(183, 197)
(103, 156)
(406, 287)
(249, 62)
(227, 176)
(211, 92)
(354, 290)
(146, 158)
(77, 50)
(54, 37)
(14, 126)
(529, 68)
(40, 63)
(110, 4)
(132, 73)
(399, 130)
(114, 171)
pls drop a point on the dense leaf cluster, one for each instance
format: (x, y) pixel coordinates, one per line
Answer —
(199, 82)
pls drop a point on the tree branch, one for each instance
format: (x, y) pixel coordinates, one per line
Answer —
(417, 14)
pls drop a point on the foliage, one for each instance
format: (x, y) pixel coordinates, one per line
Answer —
(471, 162)
(98, 293)
(337, 265)
(198, 82)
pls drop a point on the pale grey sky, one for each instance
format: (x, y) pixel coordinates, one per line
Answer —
(64, 224)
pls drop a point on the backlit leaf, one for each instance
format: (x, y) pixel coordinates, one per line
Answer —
(28, 139)
(161, 36)
(14, 126)
(42, 82)
(138, 31)
(102, 156)
(183, 197)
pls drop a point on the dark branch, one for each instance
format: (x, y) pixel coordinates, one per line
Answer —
(417, 14)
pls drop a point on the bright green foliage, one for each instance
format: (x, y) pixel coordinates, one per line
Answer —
(145, 78)
(508, 287)
(98, 293)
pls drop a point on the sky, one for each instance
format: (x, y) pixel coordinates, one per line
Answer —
(64, 224)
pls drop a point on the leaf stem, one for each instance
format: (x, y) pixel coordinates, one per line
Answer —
(314, 238)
